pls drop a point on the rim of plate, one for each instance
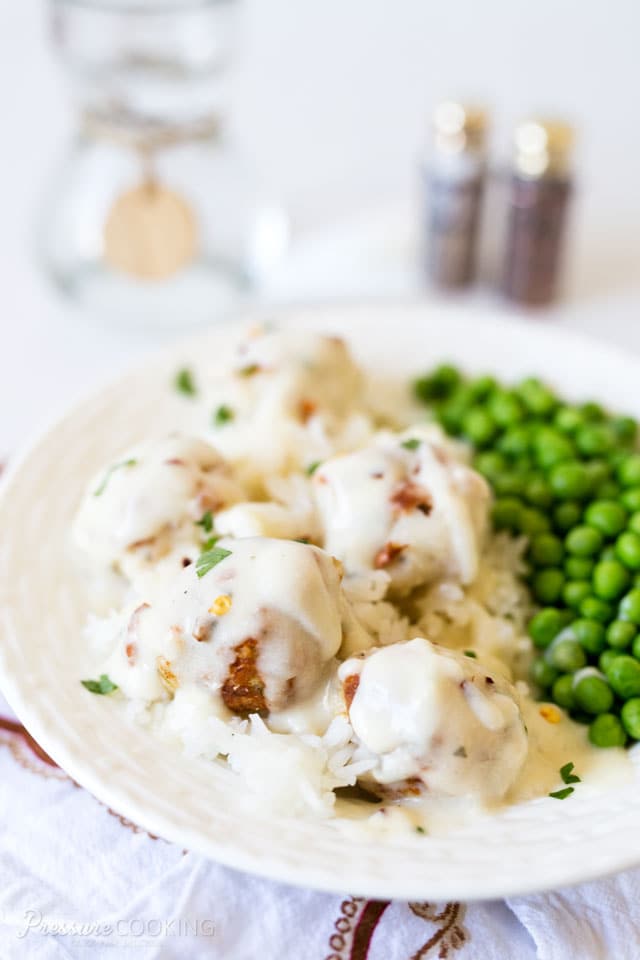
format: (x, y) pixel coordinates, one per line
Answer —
(589, 839)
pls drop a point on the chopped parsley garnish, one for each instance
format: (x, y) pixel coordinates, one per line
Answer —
(562, 794)
(302, 540)
(461, 752)
(567, 774)
(471, 653)
(209, 543)
(209, 559)
(116, 466)
(311, 469)
(222, 415)
(184, 382)
(411, 444)
(420, 830)
(206, 522)
(249, 370)
(103, 686)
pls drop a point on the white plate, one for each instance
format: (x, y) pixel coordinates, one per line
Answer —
(534, 846)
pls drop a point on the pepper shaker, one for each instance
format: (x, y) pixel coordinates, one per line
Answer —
(540, 189)
(454, 181)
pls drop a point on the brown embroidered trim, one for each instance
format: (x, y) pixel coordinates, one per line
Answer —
(450, 936)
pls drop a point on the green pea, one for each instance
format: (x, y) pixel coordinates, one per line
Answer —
(624, 676)
(570, 480)
(609, 553)
(543, 674)
(562, 691)
(514, 442)
(609, 490)
(533, 522)
(631, 499)
(599, 471)
(629, 471)
(606, 658)
(538, 492)
(511, 483)
(567, 656)
(634, 522)
(630, 607)
(490, 464)
(610, 580)
(575, 592)
(545, 626)
(620, 634)
(505, 514)
(592, 411)
(628, 549)
(630, 716)
(551, 447)
(579, 568)
(583, 541)
(566, 515)
(437, 385)
(593, 608)
(536, 397)
(594, 439)
(452, 413)
(590, 634)
(625, 429)
(481, 387)
(546, 550)
(568, 419)
(635, 647)
(479, 426)
(505, 408)
(593, 695)
(548, 584)
(606, 516)
(607, 731)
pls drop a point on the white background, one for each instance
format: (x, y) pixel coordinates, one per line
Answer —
(332, 99)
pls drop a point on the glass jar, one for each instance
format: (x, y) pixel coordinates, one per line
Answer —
(154, 215)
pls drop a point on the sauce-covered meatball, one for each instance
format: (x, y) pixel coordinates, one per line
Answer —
(150, 497)
(435, 721)
(256, 622)
(403, 505)
(291, 398)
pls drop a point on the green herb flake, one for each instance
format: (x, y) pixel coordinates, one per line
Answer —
(304, 540)
(471, 653)
(461, 752)
(562, 794)
(209, 543)
(116, 466)
(250, 370)
(311, 469)
(411, 444)
(103, 686)
(420, 830)
(184, 383)
(206, 522)
(209, 559)
(567, 774)
(222, 415)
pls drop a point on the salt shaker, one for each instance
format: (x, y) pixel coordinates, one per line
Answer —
(540, 190)
(454, 180)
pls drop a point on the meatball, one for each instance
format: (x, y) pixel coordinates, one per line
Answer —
(404, 505)
(434, 720)
(258, 628)
(292, 398)
(150, 497)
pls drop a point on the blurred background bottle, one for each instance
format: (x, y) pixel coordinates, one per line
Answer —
(539, 192)
(155, 215)
(454, 175)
